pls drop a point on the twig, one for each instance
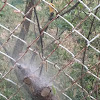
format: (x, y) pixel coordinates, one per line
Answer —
(84, 53)
(3, 5)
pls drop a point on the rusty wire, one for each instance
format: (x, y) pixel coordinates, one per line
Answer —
(59, 44)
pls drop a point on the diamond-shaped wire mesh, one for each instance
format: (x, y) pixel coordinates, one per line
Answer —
(63, 37)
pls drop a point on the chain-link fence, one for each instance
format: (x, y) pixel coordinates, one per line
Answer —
(53, 49)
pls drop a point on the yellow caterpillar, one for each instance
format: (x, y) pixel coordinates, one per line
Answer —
(50, 8)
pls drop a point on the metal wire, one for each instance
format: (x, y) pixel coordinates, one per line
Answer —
(89, 12)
